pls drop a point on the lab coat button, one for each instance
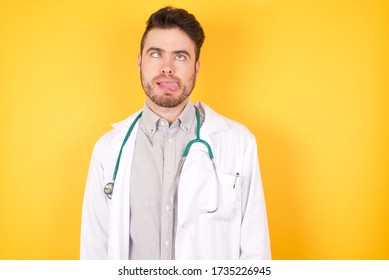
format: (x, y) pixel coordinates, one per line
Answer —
(167, 243)
(168, 207)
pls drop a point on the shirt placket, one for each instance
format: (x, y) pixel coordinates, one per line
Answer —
(167, 213)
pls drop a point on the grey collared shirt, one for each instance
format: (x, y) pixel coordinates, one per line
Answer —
(158, 151)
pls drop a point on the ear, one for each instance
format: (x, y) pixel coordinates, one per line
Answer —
(197, 67)
(139, 61)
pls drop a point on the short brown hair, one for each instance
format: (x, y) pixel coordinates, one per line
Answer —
(169, 17)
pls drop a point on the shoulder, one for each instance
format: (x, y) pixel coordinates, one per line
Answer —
(116, 134)
(216, 123)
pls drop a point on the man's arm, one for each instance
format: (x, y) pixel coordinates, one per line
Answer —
(254, 242)
(94, 227)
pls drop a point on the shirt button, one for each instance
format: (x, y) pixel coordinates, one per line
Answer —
(170, 140)
(168, 207)
(167, 243)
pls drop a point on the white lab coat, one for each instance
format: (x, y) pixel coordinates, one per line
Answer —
(237, 230)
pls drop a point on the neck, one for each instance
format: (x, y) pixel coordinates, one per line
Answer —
(169, 114)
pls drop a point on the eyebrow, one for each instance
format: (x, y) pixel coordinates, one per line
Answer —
(161, 50)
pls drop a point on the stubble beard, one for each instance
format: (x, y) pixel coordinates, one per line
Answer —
(167, 100)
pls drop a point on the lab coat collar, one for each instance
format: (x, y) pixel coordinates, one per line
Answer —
(125, 124)
(213, 121)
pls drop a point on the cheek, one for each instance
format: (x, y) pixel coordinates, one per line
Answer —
(189, 72)
(149, 70)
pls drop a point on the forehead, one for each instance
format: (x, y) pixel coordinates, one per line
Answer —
(169, 40)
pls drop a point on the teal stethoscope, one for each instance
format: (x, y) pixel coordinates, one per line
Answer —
(108, 189)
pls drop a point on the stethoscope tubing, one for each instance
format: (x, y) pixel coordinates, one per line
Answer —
(109, 187)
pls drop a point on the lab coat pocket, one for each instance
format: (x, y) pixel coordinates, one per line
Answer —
(226, 198)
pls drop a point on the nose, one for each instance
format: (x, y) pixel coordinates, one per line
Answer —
(167, 70)
(167, 67)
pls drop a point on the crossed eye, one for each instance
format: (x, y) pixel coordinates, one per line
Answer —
(180, 57)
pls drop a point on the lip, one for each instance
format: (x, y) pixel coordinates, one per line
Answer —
(158, 81)
(167, 81)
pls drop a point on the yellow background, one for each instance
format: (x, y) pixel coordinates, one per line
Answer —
(308, 78)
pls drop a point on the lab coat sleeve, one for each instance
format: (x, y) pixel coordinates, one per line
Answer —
(254, 239)
(94, 226)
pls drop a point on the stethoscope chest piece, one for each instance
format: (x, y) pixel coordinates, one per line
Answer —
(108, 189)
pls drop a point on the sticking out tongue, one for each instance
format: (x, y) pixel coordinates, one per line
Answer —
(170, 86)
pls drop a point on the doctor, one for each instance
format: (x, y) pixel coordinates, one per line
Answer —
(154, 193)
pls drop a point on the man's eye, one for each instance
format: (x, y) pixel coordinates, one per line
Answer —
(180, 57)
(156, 54)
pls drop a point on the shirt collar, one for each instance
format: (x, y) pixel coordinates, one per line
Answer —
(187, 117)
(150, 121)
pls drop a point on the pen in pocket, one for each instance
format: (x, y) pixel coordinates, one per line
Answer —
(236, 178)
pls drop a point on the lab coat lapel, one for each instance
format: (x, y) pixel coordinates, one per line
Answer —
(119, 227)
(213, 123)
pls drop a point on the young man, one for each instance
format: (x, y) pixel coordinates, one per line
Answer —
(154, 193)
